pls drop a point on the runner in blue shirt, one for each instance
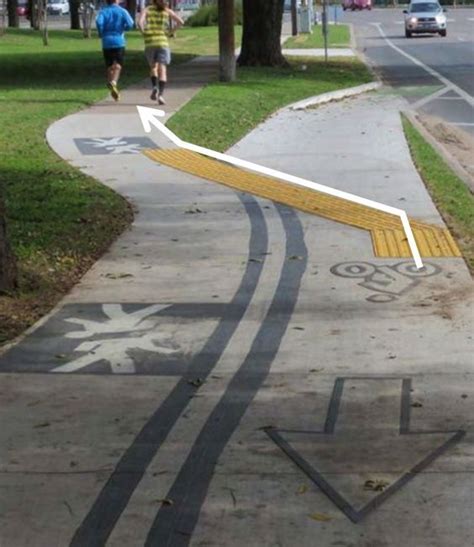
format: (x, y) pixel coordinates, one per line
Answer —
(112, 22)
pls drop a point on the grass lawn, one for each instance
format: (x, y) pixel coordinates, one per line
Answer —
(452, 197)
(200, 40)
(221, 114)
(338, 36)
(60, 221)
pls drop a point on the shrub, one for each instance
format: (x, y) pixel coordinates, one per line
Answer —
(206, 16)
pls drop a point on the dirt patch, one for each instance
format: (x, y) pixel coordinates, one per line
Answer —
(456, 141)
(446, 302)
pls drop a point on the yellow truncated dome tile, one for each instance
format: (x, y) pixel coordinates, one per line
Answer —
(388, 236)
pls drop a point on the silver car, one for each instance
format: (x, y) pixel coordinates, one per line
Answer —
(424, 16)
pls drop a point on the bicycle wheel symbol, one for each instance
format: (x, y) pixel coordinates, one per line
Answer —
(353, 270)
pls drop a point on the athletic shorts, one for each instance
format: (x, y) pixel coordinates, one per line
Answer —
(161, 55)
(114, 55)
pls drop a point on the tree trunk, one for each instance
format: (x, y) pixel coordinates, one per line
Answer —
(3, 16)
(13, 19)
(226, 41)
(87, 15)
(8, 271)
(33, 14)
(132, 8)
(74, 14)
(261, 33)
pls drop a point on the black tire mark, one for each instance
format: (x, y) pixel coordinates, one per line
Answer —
(98, 524)
(174, 524)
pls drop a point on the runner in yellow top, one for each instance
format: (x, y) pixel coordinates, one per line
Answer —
(153, 23)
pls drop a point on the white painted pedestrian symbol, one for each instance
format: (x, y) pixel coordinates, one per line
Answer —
(115, 145)
(133, 331)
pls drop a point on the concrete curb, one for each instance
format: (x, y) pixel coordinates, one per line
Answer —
(452, 162)
(335, 96)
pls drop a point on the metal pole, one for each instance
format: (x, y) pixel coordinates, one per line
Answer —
(294, 18)
(325, 30)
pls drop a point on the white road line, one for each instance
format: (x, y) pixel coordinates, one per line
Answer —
(430, 98)
(461, 39)
(463, 124)
(147, 116)
(428, 69)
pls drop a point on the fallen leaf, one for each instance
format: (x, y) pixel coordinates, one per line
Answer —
(416, 404)
(376, 485)
(321, 517)
(165, 501)
(42, 424)
(118, 276)
(302, 489)
(197, 382)
(295, 257)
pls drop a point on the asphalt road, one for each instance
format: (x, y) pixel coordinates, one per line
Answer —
(435, 74)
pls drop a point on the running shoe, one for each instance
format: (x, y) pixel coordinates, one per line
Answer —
(161, 100)
(154, 93)
(114, 91)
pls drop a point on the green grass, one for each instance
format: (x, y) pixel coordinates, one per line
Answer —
(338, 36)
(200, 40)
(59, 220)
(452, 197)
(221, 114)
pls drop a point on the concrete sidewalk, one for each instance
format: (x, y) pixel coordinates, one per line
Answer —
(233, 372)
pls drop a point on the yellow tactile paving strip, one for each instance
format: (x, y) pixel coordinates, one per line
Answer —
(388, 236)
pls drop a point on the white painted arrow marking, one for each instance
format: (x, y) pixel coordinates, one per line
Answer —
(148, 117)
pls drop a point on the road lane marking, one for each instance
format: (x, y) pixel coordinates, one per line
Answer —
(428, 69)
(430, 97)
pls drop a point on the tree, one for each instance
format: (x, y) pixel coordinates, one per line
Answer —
(261, 33)
(8, 271)
(87, 15)
(13, 19)
(74, 14)
(43, 20)
(226, 41)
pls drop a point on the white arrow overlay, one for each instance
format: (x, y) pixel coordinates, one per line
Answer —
(148, 117)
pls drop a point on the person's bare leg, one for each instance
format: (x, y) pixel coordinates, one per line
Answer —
(154, 81)
(113, 75)
(116, 70)
(162, 79)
